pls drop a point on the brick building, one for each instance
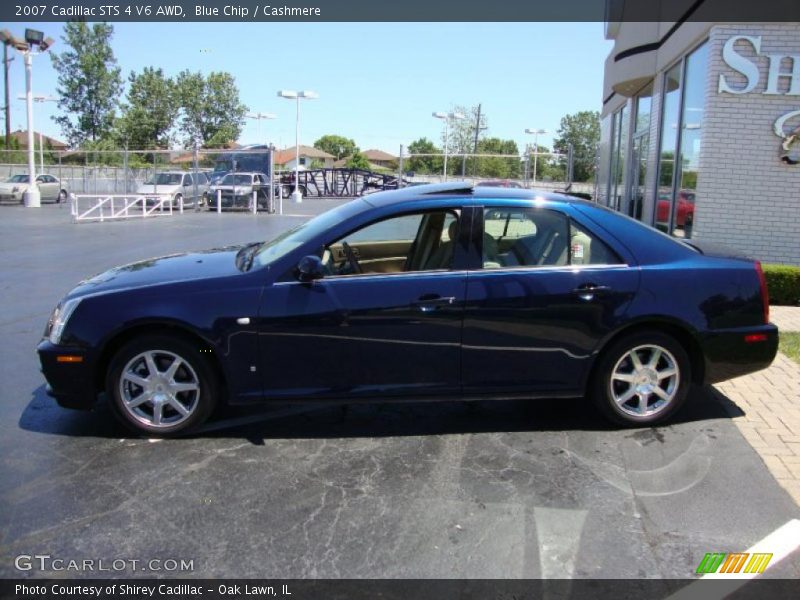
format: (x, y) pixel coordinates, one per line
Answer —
(700, 132)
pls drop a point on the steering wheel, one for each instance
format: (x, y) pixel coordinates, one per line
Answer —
(351, 258)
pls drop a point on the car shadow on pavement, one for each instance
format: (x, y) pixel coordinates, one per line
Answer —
(287, 421)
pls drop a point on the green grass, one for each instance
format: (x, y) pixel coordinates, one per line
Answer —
(790, 344)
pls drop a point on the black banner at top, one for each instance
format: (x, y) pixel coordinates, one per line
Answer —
(400, 10)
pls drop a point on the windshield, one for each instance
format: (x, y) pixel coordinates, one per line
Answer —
(237, 180)
(165, 179)
(294, 238)
(222, 166)
(18, 179)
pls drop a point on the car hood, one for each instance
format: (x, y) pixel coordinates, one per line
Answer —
(189, 266)
(8, 186)
(161, 189)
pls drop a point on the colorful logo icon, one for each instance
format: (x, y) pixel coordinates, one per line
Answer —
(735, 562)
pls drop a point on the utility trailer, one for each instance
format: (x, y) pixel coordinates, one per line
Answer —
(337, 183)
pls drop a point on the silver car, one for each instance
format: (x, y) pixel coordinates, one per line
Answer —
(50, 187)
(175, 186)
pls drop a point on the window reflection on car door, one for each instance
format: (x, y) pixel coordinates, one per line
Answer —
(548, 290)
(391, 329)
(47, 187)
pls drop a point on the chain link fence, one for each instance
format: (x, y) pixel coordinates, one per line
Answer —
(546, 171)
(158, 172)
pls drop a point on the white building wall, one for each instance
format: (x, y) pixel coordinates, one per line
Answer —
(747, 198)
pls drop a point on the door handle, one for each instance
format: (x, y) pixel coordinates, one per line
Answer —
(431, 302)
(587, 291)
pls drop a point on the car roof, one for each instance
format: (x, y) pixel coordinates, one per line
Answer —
(467, 193)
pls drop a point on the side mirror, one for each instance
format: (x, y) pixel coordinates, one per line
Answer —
(310, 268)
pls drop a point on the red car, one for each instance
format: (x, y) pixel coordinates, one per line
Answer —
(684, 216)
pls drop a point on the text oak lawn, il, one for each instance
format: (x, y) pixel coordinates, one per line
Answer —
(149, 591)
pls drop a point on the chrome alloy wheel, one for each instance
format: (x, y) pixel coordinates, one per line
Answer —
(159, 388)
(645, 380)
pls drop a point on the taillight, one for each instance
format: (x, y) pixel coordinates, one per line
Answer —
(764, 292)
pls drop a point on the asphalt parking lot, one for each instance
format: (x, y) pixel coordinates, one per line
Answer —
(448, 490)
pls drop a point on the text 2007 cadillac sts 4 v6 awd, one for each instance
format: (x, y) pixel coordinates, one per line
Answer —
(438, 291)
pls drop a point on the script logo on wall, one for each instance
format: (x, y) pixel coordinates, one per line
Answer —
(790, 136)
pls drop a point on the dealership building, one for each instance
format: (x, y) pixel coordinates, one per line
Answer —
(700, 132)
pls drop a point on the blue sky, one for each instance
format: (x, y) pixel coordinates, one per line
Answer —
(378, 82)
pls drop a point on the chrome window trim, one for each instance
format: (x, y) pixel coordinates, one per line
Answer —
(573, 268)
(361, 276)
(442, 272)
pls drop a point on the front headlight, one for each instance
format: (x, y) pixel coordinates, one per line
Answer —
(60, 317)
(15, 189)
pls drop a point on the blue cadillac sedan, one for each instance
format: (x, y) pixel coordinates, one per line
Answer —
(432, 292)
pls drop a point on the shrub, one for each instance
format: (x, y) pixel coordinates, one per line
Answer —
(783, 284)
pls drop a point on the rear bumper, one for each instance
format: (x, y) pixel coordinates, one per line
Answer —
(70, 383)
(728, 354)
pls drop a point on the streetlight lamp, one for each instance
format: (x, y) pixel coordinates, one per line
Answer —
(259, 116)
(447, 117)
(33, 38)
(536, 133)
(293, 95)
(40, 98)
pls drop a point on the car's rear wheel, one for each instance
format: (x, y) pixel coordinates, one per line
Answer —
(642, 379)
(62, 197)
(161, 386)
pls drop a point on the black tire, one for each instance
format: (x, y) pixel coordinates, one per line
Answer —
(176, 202)
(62, 196)
(199, 371)
(618, 356)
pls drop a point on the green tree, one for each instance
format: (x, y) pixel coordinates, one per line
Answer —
(357, 161)
(461, 137)
(502, 167)
(423, 164)
(89, 82)
(14, 155)
(212, 113)
(150, 111)
(582, 130)
(336, 145)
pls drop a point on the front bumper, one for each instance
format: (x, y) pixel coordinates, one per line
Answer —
(729, 354)
(15, 196)
(70, 383)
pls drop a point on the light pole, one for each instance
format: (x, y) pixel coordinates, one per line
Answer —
(296, 96)
(259, 116)
(40, 98)
(447, 117)
(5, 39)
(536, 133)
(33, 38)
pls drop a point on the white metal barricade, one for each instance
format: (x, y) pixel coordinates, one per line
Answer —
(106, 207)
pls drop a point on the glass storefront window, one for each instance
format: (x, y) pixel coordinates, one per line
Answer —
(670, 114)
(618, 164)
(639, 149)
(644, 105)
(691, 124)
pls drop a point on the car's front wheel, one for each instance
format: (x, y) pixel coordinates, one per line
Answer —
(642, 379)
(161, 386)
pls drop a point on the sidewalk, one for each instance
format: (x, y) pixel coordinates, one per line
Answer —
(787, 318)
(770, 400)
